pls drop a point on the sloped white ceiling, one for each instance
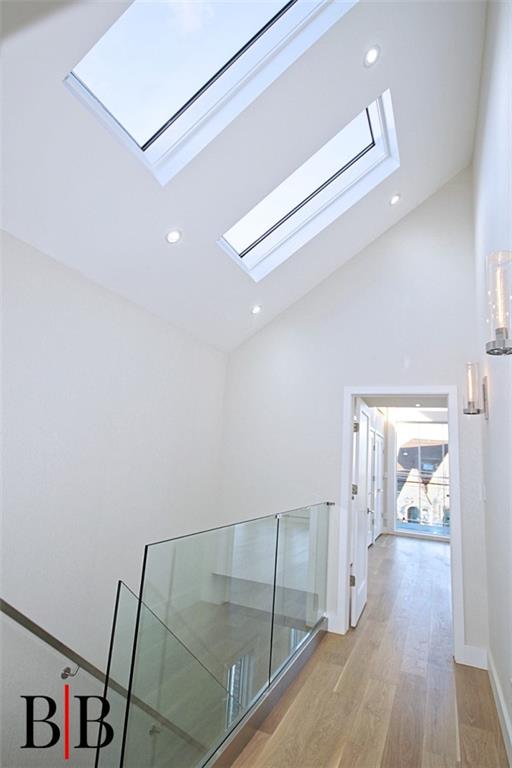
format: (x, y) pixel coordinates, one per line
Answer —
(71, 190)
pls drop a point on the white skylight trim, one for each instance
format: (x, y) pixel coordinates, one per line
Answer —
(336, 177)
(168, 76)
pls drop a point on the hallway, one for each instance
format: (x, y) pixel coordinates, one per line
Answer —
(387, 695)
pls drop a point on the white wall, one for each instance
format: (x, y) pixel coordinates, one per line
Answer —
(112, 427)
(493, 221)
(400, 313)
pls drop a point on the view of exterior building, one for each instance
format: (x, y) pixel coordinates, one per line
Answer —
(423, 478)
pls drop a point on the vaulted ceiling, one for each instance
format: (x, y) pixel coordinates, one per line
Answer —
(75, 193)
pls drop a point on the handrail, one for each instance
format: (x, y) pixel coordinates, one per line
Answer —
(31, 626)
(241, 522)
(50, 639)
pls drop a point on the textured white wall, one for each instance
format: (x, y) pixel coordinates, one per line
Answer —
(493, 221)
(112, 426)
(400, 313)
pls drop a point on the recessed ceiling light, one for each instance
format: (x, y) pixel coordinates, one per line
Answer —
(371, 55)
(256, 309)
(418, 405)
(395, 199)
(174, 236)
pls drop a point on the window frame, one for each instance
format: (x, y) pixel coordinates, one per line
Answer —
(339, 194)
(269, 54)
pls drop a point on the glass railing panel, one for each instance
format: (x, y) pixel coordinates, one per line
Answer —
(214, 590)
(118, 673)
(179, 712)
(301, 579)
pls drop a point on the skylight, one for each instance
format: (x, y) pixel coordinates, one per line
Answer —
(150, 57)
(168, 76)
(339, 174)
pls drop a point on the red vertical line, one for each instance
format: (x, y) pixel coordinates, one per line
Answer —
(66, 722)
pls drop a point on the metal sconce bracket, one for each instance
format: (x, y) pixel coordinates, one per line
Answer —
(485, 392)
(471, 410)
(501, 345)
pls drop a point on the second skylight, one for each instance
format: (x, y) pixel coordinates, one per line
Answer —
(339, 174)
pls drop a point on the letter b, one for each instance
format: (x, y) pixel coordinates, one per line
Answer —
(52, 708)
(103, 726)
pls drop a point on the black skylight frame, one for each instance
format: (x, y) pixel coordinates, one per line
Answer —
(218, 74)
(315, 192)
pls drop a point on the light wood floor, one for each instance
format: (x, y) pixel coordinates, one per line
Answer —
(387, 695)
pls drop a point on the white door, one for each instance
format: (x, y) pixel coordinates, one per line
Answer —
(378, 482)
(359, 560)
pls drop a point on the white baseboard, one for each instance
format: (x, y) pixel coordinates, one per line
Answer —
(503, 714)
(472, 656)
(336, 624)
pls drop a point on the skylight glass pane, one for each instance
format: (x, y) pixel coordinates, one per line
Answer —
(295, 191)
(160, 54)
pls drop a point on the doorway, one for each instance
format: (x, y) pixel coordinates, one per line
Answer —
(370, 509)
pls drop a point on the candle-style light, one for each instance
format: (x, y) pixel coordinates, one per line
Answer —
(472, 404)
(499, 282)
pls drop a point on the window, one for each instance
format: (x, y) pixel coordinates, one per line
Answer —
(150, 58)
(239, 686)
(168, 76)
(423, 478)
(339, 174)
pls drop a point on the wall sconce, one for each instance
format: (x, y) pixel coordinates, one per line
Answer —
(499, 289)
(472, 405)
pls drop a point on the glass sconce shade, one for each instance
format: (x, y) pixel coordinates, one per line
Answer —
(472, 399)
(499, 293)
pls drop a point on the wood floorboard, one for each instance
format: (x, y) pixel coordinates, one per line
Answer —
(432, 760)
(387, 694)
(441, 736)
(404, 739)
(480, 735)
(479, 748)
(373, 715)
(249, 756)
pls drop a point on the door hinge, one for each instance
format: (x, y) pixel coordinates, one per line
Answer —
(354, 489)
(355, 426)
(352, 580)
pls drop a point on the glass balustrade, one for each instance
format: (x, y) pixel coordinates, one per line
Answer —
(118, 673)
(219, 615)
(301, 580)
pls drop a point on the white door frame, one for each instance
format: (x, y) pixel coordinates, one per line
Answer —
(339, 619)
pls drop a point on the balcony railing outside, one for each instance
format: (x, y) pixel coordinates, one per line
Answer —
(219, 615)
